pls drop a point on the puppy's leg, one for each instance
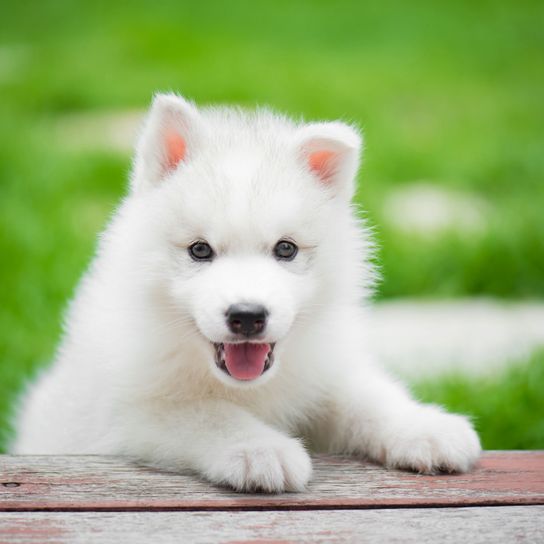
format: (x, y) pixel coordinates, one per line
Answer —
(221, 441)
(375, 417)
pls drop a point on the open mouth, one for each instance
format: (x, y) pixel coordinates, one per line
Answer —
(244, 361)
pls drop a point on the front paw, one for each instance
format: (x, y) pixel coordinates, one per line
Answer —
(433, 441)
(271, 465)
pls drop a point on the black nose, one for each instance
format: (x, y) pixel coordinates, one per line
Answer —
(246, 319)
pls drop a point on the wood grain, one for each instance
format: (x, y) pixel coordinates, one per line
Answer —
(90, 483)
(444, 525)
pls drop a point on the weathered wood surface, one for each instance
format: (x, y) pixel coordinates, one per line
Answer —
(417, 525)
(93, 483)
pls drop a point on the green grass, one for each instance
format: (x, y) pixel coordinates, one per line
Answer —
(507, 409)
(450, 93)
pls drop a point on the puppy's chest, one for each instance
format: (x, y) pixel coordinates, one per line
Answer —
(288, 403)
(289, 409)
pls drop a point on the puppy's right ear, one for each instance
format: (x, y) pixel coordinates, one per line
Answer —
(167, 140)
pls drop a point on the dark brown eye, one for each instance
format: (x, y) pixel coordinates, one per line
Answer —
(201, 251)
(285, 250)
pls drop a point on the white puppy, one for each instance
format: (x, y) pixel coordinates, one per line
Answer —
(220, 322)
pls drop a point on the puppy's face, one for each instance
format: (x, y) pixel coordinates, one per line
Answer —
(242, 209)
(245, 252)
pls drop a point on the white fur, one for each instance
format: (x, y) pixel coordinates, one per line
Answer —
(135, 373)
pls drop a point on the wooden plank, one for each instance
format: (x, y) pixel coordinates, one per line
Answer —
(450, 525)
(108, 483)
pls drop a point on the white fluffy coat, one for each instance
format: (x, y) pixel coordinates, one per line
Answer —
(135, 374)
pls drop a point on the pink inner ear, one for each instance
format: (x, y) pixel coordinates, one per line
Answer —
(322, 163)
(175, 149)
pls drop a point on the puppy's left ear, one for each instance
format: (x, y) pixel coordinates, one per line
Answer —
(331, 152)
(169, 137)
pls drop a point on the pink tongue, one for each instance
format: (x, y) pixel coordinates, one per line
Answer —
(246, 361)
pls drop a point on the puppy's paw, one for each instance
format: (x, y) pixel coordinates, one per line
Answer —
(433, 441)
(271, 465)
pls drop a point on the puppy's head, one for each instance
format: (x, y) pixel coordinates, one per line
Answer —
(247, 224)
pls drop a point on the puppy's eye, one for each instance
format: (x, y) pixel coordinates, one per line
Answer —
(285, 250)
(201, 251)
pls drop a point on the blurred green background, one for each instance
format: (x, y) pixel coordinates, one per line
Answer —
(450, 96)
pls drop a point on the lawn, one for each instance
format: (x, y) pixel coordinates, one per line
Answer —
(448, 96)
(507, 409)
